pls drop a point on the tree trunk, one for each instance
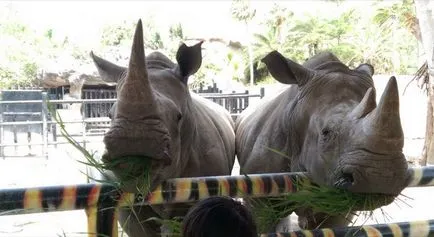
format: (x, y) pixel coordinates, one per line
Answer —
(425, 17)
(428, 149)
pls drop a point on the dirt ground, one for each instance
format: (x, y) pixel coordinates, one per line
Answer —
(62, 168)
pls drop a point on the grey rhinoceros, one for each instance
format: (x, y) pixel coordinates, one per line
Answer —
(157, 117)
(328, 124)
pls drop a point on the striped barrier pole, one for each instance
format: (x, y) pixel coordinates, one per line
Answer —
(102, 200)
(73, 197)
(423, 228)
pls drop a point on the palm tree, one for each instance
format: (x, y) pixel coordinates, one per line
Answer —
(242, 12)
(425, 18)
(404, 13)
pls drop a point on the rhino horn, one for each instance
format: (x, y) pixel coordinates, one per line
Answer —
(365, 106)
(135, 94)
(137, 65)
(385, 119)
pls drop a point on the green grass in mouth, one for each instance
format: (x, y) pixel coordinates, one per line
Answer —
(320, 199)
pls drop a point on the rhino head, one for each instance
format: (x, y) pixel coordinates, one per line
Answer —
(149, 118)
(340, 136)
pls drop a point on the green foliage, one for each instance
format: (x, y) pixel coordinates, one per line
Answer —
(174, 225)
(176, 32)
(49, 34)
(155, 42)
(241, 10)
(6, 76)
(354, 36)
(321, 199)
(386, 37)
(403, 13)
(113, 35)
(17, 67)
(15, 29)
(24, 51)
(205, 75)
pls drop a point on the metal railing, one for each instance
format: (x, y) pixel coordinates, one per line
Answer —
(234, 102)
(46, 122)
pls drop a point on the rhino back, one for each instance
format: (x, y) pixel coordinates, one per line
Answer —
(260, 135)
(215, 142)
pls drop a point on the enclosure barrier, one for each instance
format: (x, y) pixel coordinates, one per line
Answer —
(46, 122)
(411, 229)
(94, 116)
(101, 201)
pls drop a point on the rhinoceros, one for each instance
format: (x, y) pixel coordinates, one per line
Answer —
(156, 117)
(326, 123)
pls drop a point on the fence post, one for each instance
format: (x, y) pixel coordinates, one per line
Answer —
(262, 92)
(44, 124)
(29, 137)
(1, 128)
(245, 101)
(84, 124)
(15, 134)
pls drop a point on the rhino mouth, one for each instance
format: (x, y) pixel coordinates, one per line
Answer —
(371, 180)
(364, 200)
(135, 173)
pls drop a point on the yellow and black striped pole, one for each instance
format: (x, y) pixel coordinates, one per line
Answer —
(102, 200)
(423, 228)
(73, 197)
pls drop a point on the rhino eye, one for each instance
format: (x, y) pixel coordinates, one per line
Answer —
(179, 117)
(326, 132)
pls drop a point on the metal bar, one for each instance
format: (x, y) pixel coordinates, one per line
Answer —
(222, 94)
(21, 113)
(102, 219)
(236, 95)
(421, 176)
(55, 198)
(1, 128)
(92, 120)
(178, 190)
(44, 124)
(83, 126)
(229, 96)
(91, 214)
(107, 220)
(424, 228)
(26, 157)
(40, 144)
(57, 101)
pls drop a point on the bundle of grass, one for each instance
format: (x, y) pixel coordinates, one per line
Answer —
(172, 226)
(320, 199)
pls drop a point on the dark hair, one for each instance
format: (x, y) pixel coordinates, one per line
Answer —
(219, 217)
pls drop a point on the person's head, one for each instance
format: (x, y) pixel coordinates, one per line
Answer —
(219, 217)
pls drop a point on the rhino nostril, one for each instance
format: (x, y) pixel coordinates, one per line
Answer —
(345, 181)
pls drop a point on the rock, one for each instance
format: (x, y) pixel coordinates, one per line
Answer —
(66, 78)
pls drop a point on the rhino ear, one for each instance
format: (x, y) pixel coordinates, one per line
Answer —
(189, 60)
(285, 70)
(366, 68)
(108, 71)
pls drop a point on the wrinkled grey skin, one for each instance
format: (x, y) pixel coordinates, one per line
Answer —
(329, 125)
(156, 116)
